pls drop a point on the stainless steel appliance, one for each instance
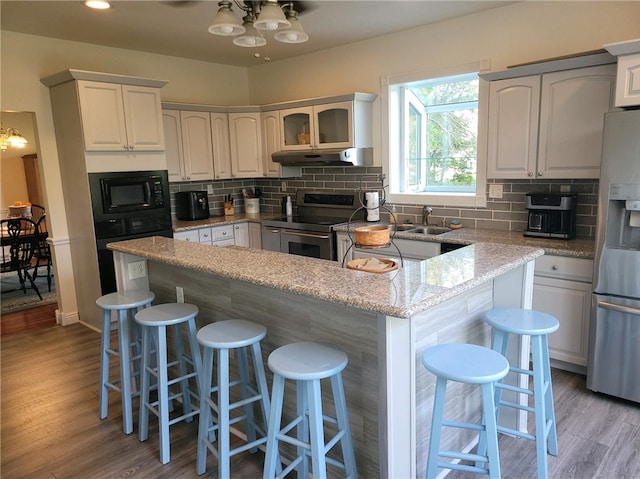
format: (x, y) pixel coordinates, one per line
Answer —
(192, 205)
(614, 343)
(327, 157)
(127, 205)
(551, 215)
(309, 231)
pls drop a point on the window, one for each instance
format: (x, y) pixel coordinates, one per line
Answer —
(433, 140)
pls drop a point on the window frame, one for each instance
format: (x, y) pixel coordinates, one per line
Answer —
(391, 112)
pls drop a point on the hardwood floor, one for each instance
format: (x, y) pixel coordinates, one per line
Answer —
(30, 319)
(51, 429)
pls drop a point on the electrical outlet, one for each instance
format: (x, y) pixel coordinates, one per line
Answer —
(210, 189)
(495, 191)
(137, 269)
(283, 186)
(565, 188)
(179, 294)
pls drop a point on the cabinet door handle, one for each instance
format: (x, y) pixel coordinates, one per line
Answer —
(539, 173)
(530, 173)
(554, 268)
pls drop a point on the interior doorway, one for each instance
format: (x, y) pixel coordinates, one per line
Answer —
(22, 182)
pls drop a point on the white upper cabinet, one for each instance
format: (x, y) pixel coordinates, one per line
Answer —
(173, 144)
(246, 144)
(197, 146)
(270, 142)
(221, 145)
(549, 125)
(628, 77)
(328, 124)
(119, 117)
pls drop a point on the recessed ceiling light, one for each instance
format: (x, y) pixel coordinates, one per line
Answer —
(97, 4)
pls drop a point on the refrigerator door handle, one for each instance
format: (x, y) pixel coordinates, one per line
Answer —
(619, 307)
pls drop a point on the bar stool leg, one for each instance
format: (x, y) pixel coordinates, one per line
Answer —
(104, 363)
(552, 440)
(125, 368)
(491, 429)
(145, 379)
(223, 413)
(302, 429)
(342, 417)
(436, 427)
(261, 380)
(205, 411)
(182, 370)
(160, 335)
(316, 429)
(272, 453)
(243, 368)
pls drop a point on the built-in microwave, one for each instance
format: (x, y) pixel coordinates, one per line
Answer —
(130, 192)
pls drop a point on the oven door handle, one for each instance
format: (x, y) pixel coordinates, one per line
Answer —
(307, 235)
(619, 308)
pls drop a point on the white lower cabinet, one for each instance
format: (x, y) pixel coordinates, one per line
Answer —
(409, 249)
(255, 235)
(562, 287)
(224, 235)
(241, 234)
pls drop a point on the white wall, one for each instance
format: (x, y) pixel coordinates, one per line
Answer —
(27, 58)
(509, 35)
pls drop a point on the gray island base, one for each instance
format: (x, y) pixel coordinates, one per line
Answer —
(384, 322)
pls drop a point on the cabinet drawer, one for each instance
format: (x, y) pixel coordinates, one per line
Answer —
(204, 235)
(562, 267)
(191, 235)
(225, 242)
(222, 233)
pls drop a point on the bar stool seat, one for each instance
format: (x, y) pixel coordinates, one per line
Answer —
(308, 363)
(155, 321)
(221, 337)
(126, 303)
(538, 326)
(471, 364)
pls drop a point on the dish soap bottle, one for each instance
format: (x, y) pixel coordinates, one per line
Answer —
(289, 206)
(394, 215)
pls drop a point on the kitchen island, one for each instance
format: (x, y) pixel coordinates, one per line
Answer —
(384, 322)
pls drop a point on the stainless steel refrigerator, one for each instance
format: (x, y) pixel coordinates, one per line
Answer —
(614, 343)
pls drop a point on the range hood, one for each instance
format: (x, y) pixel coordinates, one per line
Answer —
(337, 157)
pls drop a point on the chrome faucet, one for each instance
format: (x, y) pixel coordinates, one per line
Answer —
(426, 211)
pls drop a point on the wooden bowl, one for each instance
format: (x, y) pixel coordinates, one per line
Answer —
(372, 235)
(372, 265)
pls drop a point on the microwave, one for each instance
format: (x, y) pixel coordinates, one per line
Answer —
(129, 193)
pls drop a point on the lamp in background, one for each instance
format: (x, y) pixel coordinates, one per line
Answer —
(98, 4)
(268, 16)
(11, 137)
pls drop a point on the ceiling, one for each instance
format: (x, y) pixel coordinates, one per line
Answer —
(179, 28)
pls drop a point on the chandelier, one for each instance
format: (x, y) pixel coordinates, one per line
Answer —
(11, 137)
(260, 16)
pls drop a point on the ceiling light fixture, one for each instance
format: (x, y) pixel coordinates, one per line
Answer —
(267, 16)
(11, 137)
(97, 4)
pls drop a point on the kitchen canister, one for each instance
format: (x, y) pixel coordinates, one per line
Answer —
(252, 206)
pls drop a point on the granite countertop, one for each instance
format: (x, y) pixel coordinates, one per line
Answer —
(402, 293)
(576, 248)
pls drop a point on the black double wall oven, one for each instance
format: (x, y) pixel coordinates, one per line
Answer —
(127, 205)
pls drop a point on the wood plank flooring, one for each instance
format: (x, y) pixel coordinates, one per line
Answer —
(30, 319)
(50, 425)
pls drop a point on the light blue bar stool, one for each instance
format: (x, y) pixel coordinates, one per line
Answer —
(471, 364)
(126, 304)
(155, 321)
(538, 325)
(307, 363)
(221, 337)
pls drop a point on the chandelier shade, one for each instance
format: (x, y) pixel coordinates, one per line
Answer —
(11, 137)
(260, 16)
(251, 38)
(271, 17)
(294, 34)
(225, 22)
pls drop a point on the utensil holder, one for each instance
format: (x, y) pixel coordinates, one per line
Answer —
(252, 206)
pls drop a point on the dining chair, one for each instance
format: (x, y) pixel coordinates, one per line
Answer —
(37, 212)
(19, 242)
(42, 253)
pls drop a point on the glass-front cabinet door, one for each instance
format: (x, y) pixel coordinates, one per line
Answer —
(318, 127)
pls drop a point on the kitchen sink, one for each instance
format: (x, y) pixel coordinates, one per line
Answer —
(419, 229)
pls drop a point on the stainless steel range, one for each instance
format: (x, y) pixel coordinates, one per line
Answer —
(310, 230)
